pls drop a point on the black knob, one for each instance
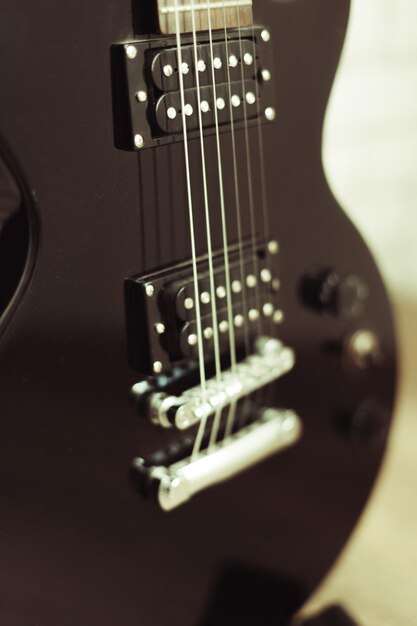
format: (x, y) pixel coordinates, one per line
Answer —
(365, 421)
(330, 291)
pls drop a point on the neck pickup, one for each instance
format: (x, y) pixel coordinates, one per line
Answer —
(214, 14)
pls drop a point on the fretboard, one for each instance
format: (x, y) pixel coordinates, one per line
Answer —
(215, 13)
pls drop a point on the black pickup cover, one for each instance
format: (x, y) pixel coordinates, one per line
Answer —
(137, 68)
(159, 323)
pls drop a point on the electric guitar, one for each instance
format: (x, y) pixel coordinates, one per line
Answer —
(197, 351)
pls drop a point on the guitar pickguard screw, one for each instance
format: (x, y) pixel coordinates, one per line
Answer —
(141, 96)
(131, 52)
(139, 141)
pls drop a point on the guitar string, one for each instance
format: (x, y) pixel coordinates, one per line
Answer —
(265, 213)
(231, 422)
(203, 383)
(232, 412)
(216, 341)
(232, 339)
(250, 182)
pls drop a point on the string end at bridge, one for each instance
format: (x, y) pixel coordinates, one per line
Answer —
(174, 485)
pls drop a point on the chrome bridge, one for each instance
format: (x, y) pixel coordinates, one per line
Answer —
(271, 361)
(175, 484)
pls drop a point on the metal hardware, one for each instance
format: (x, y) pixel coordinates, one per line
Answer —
(131, 52)
(274, 431)
(139, 141)
(265, 35)
(271, 361)
(273, 247)
(270, 114)
(278, 317)
(141, 96)
(364, 348)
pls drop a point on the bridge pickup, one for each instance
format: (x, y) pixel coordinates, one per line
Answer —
(271, 361)
(161, 312)
(175, 484)
(146, 96)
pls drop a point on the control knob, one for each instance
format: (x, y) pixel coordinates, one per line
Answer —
(340, 294)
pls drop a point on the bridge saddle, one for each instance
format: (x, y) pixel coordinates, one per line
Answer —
(271, 361)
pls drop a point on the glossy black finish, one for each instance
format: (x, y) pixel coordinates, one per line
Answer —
(77, 544)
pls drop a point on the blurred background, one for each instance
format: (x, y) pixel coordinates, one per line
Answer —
(370, 156)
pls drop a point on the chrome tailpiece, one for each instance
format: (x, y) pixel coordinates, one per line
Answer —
(271, 361)
(177, 483)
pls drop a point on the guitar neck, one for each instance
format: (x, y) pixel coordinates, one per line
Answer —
(208, 14)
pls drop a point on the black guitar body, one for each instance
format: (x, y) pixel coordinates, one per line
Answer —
(78, 544)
